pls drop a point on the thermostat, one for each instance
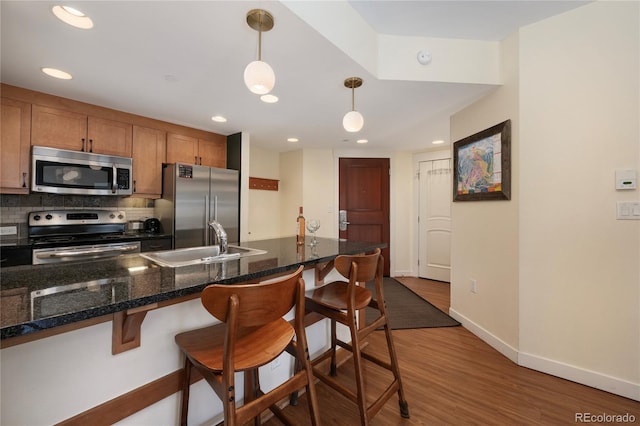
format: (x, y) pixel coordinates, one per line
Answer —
(626, 179)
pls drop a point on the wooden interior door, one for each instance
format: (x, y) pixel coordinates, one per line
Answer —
(364, 195)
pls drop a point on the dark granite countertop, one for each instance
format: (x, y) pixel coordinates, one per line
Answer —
(41, 297)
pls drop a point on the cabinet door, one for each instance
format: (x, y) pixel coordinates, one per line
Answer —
(182, 149)
(14, 306)
(15, 137)
(109, 137)
(149, 152)
(56, 128)
(213, 153)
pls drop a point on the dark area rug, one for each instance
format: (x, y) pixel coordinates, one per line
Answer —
(408, 310)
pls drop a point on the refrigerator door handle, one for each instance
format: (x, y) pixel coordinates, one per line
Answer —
(215, 207)
(205, 234)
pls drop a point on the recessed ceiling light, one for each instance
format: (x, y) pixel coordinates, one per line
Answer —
(219, 119)
(52, 72)
(270, 99)
(362, 141)
(73, 17)
(292, 140)
(438, 142)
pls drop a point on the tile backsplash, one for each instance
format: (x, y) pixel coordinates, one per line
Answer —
(15, 208)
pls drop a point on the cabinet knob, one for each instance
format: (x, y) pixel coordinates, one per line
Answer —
(90, 145)
(83, 144)
(24, 180)
(134, 186)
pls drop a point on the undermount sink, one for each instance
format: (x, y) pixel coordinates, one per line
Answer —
(196, 255)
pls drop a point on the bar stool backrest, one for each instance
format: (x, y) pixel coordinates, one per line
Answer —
(257, 304)
(366, 269)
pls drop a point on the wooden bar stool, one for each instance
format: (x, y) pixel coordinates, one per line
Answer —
(253, 332)
(340, 301)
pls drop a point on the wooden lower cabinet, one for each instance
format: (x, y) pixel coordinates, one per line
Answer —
(149, 152)
(14, 306)
(15, 139)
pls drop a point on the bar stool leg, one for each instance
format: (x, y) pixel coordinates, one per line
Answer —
(186, 384)
(358, 364)
(334, 343)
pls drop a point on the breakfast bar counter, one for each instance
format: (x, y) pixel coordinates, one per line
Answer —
(43, 297)
(93, 342)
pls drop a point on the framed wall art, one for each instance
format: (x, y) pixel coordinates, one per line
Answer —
(482, 165)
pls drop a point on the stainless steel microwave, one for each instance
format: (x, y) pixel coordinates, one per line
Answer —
(61, 171)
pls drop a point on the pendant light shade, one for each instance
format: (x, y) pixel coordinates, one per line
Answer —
(258, 75)
(353, 120)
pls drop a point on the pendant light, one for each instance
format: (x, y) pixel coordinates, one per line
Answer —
(258, 75)
(353, 120)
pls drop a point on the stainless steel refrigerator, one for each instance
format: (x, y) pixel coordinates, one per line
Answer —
(194, 195)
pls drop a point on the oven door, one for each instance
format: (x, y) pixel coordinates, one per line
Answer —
(69, 172)
(79, 253)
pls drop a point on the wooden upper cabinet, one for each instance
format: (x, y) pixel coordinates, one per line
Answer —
(62, 129)
(149, 152)
(109, 137)
(15, 135)
(182, 149)
(213, 153)
(190, 150)
(57, 128)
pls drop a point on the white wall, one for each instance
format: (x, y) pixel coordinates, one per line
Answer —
(558, 275)
(264, 206)
(291, 190)
(579, 278)
(319, 180)
(484, 234)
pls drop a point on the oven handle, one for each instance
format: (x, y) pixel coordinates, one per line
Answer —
(80, 253)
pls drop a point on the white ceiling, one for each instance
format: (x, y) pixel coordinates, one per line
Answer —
(182, 62)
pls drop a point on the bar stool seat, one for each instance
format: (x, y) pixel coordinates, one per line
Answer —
(253, 333)
(339, 301)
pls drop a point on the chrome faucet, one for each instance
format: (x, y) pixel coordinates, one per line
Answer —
(221, 234)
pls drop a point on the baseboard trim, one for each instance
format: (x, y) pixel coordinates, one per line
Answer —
(548, 366)
(495, 342)
(580, 375)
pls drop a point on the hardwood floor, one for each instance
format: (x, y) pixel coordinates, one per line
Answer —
(451, 377)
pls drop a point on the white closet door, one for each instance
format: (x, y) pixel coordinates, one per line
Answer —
(435, 220)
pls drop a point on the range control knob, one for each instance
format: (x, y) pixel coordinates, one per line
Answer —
(36, 217)
(120, 216)
(48, 217)
(111, 216)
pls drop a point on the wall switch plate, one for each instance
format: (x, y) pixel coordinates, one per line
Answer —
(628, 210)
